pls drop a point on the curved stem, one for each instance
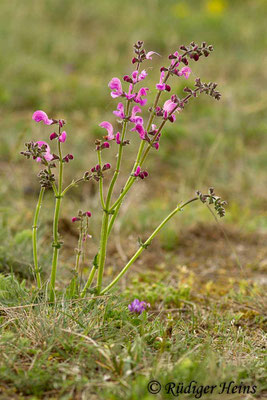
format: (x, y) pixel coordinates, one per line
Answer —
(34, 237)
(146, 244)
(71, 185)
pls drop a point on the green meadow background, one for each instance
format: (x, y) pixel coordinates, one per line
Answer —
(58, 56)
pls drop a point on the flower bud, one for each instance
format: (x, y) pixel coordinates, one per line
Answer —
(53, 136)
(137, 171)
(167, 88)
(141, 175)
(128, 79)
(106, 166)
(105, 145)
(88, 214)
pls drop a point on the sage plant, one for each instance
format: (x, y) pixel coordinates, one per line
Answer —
(41, 152)
(134, 118)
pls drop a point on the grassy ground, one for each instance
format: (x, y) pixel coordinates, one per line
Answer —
(205, 281)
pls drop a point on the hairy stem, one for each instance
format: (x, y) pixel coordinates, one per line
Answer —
(101, 180)
(34, 237)
(145, 245)
(79, 249)
(56, 244)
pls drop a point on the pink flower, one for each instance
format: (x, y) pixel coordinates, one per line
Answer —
(107, 125)
(175, 61)
(130, 95)
(161, 85)
(47, 155)
(120, 111)
(138, 97)
(140, 129)
(139, 77)
(41, 116)
(150, 54)
(115, 86)
(62, 138)
(186, 71)
(75, 219)
(168, 108)
(135, 119)
(88, 214)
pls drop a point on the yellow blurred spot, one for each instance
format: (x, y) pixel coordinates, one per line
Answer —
(215, 7)
(181, 10)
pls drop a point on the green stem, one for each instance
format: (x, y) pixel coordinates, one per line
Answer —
(112, 219)
(79, 249)
(146, 244)
(34, 238)
(105, 219)
(89, 281)
(101, 181)
(102, 250)
(131, 179)
(71, 185)
(56, 244)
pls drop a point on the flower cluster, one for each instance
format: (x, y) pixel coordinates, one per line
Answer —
(97, 171)
(40, 150)
(83, 217)
(212, 199)
(138, 306)
(140, 174)
(170, 107)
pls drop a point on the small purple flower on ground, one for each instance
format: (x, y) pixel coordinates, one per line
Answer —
(138, 306)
